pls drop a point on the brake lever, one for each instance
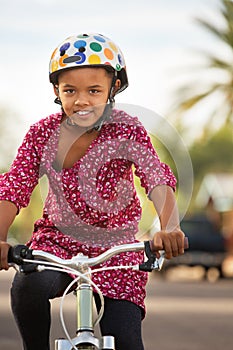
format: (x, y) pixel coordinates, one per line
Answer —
(152, 262)
(17, 254)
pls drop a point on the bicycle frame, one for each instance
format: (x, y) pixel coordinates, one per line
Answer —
(80, 265)
(85, 338)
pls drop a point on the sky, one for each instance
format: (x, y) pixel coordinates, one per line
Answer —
(158, 39)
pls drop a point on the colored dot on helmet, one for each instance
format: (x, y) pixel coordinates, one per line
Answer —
(81, 57)
(54, 67)
(95, 47)
(118, 67)
(83, 36)
(82, 49)
(78, 58)
(80, 43)
(108, 53)
(99, 38)
(61, 61)
(120, 60)
(94, 59)
(64, 47)
(113, 46)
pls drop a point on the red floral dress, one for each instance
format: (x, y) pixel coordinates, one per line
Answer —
(92, 205)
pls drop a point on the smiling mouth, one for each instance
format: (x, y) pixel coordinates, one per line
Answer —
(82, 114)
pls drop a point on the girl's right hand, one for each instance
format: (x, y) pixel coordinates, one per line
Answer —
(4, 248)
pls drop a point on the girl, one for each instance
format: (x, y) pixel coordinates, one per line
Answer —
(87, 151)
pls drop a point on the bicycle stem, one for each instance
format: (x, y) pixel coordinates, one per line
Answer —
(84, 302)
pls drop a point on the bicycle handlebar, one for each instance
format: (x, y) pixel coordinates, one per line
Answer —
(82, 259)
(19, 255)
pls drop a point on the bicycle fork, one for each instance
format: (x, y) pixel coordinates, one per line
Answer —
(85, 338)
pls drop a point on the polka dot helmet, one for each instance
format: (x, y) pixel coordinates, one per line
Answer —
(88, 50)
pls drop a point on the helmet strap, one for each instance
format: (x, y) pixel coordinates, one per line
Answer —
(112, 89)
(108, 108)
(106, 114)
(58, 101)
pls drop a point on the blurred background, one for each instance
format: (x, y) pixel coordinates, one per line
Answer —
(179, 57)
(179, 60)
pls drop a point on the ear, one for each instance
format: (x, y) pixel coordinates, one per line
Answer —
(56, 90)
(117, 86)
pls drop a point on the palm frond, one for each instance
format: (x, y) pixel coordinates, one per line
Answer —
(186, 102)
(227, 13)
(192, 93)
(189, 103)
(215, 62)
(225, 34)
(219, 33)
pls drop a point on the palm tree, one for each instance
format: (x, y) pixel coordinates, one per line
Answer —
(191, 95)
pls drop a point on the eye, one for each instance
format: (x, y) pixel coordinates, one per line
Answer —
(69, 91)
(94, 91)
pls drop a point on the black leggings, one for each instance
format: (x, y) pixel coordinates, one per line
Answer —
(30, 294)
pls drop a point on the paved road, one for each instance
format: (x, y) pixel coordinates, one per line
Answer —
(188, 314)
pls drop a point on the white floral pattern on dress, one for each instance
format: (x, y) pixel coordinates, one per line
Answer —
(93, 204)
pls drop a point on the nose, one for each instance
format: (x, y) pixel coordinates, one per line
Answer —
(81, 100)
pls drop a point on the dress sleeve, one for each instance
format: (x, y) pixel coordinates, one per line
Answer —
(148, 167)
(17, 185)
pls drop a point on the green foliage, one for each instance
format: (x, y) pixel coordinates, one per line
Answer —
(213, 90)
(22, 227)
(213, 155)
(221, 82)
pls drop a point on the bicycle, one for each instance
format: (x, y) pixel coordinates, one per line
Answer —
(26, 260)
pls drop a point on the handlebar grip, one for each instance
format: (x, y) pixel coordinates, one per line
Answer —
(17, 253)
(186, 243)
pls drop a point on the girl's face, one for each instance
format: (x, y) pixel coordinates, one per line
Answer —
(84, 93)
